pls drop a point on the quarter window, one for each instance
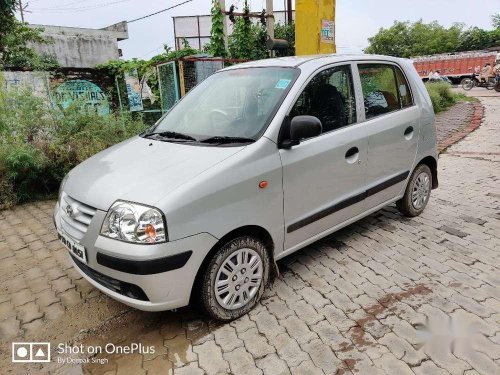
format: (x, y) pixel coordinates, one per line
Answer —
(404, 89)
(330, 97)
(381, 91)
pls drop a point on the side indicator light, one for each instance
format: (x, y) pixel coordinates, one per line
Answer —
(263, 184)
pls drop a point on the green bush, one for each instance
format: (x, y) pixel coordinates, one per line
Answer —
(442, 96)
(39, 143)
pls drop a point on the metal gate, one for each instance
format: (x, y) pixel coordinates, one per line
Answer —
(168, 83)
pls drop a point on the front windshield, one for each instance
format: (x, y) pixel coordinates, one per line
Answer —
(233, 103)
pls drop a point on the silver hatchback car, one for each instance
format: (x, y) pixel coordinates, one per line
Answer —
(256, 162)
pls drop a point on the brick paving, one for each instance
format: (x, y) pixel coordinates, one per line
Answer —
(387, 295)
(455, 124)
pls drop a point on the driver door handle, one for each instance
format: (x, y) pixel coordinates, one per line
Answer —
(409, 130)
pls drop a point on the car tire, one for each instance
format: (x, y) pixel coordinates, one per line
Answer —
(236, 267)
(417, 192)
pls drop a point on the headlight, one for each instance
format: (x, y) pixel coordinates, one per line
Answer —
(133, 222)
(61, 187)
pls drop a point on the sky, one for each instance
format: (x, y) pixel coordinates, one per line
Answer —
(356, 20)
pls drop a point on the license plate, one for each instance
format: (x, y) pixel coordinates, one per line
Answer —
(74, 248)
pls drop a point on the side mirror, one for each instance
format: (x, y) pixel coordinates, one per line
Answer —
(303, 127)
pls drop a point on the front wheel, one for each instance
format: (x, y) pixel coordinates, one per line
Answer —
(235, 278)
(417, 193)
(467, 84)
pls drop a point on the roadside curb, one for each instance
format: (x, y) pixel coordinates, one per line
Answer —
(459, 135)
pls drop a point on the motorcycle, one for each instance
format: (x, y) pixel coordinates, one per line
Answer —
(473, 81)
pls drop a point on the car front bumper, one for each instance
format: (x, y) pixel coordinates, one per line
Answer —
(147, 277)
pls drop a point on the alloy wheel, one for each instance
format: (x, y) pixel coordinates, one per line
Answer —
(238, 279)
(420, 191)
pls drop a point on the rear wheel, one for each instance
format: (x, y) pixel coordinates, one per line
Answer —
(417, 192)
(467, 84)
(235, 278)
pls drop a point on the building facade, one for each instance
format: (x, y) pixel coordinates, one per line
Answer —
(76, 47)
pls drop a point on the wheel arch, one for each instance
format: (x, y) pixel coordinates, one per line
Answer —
(247, 230)
(431, 162)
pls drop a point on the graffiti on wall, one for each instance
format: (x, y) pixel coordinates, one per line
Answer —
(36, 82)
(81, 90)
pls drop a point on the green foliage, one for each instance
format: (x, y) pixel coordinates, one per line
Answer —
(441, 95)
(14, 39)
(495, 20)
(248, 41)
(406, 39)
(117, 67)
(287, 32)
(39, 144)
(476, 38)
(217, 45)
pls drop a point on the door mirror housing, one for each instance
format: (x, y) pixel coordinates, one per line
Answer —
(302, 127)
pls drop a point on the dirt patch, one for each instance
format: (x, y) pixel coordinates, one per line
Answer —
(358, 332)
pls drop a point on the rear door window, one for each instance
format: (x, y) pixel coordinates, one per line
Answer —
(380, 89)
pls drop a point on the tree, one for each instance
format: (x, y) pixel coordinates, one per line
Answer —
(248, 40)
(217, 45)
(7, 19)
(405, 39)
(287, 32)
(15, 37)
(495, 20)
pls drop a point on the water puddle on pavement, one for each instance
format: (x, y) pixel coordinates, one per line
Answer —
(165, 341)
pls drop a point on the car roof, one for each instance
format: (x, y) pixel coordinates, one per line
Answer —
(312, 61)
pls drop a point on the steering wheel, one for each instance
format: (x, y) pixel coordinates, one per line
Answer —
(219, 120)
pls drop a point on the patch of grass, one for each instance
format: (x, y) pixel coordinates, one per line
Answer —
(39, 144)
(443, 97)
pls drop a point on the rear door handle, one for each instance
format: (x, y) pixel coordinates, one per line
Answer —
(409, 130)
(351, 152)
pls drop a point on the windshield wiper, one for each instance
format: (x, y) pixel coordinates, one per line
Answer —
(226, 139)
(172, 135)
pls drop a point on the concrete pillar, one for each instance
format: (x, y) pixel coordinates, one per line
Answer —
(314, 27)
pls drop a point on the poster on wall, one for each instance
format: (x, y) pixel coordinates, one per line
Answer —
(84, 91)
(133, 90)
(327, 31)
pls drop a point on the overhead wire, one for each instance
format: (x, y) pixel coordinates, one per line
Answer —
(160, 11)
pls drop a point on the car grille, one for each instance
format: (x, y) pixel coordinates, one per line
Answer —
(75, 216)
(121, 287)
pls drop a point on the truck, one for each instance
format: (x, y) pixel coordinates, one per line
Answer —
(455, 66)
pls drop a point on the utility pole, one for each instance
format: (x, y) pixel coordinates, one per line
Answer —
(270, 18)
(289, 11)
(21, 10)
(314, 27)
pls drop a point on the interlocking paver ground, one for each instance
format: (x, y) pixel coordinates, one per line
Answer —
(387, 295)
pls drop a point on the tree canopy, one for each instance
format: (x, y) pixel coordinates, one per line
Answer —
(406, 39)
(15, 37)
